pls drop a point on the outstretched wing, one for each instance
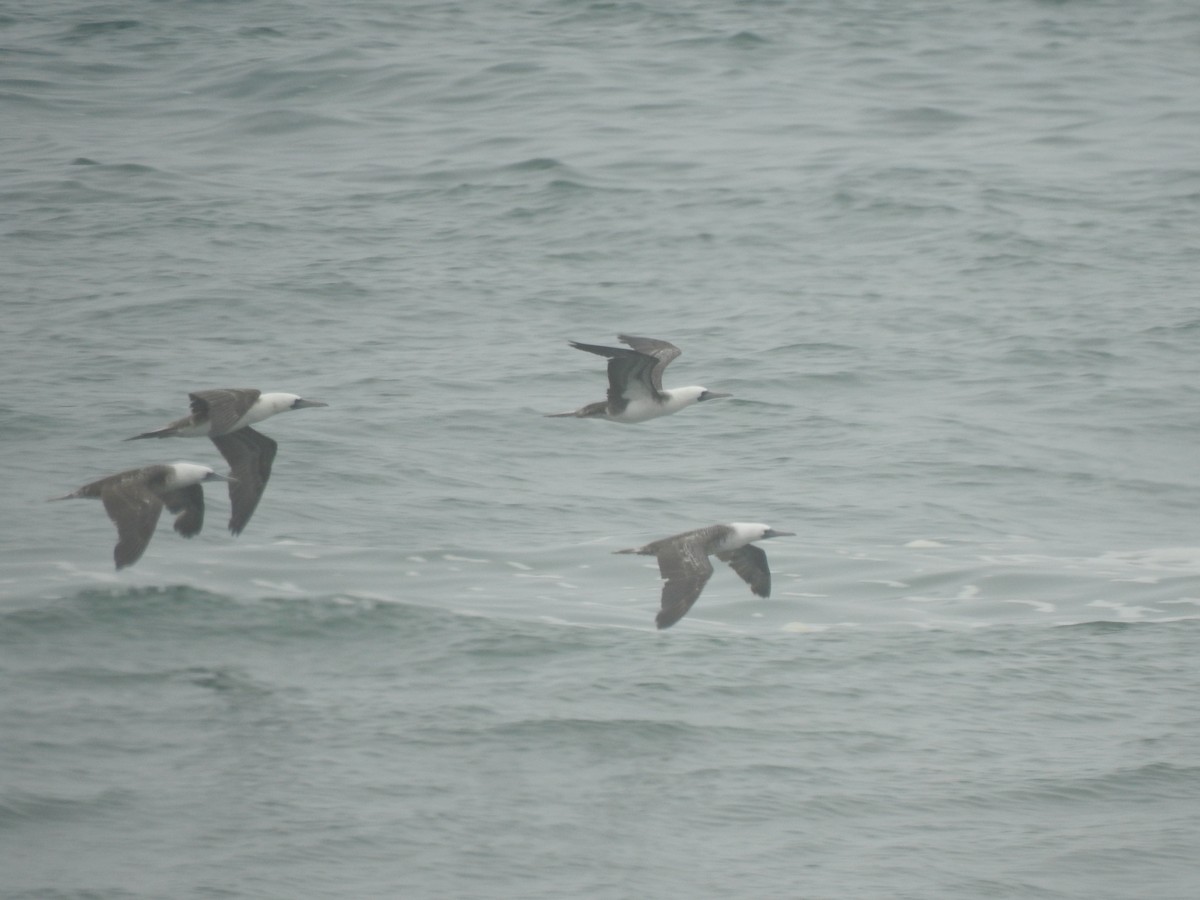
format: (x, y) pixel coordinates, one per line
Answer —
(249, 455)
(751, 563)
(630, 374)
(134, 509)
(686, 569)
(222, 407)
(188, 503)
(662, 351)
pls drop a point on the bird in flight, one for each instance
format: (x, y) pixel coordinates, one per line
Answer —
(224, 416)
(635, 391)
(684, 564)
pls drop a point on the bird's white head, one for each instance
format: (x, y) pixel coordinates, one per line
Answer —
(748, 532)
(280, 402)
(185, 474)
(678, 398)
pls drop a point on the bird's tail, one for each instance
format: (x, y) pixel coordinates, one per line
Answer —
(599, 409)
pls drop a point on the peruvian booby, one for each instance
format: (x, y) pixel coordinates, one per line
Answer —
(134, 500)
(635, 391)
(683, 562)
(224, 417)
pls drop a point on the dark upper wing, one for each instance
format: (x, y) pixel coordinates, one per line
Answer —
(631, 378)
(188, 502)
(134, 509)
(95, 489)
(686, 569)
(662, 351)
(751, 563)
(222, 407)
(249, 455)
(630, 374)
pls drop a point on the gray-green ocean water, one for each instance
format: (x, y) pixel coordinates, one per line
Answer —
(943, 254)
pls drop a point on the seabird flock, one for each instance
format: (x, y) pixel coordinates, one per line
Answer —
(225, 417)
(134, 499)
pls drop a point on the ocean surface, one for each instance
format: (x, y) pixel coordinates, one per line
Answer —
(945, 256)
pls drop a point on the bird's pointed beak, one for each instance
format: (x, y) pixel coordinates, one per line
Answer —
(302, 403)
(714, 395)
(771, 532)
(217, 476)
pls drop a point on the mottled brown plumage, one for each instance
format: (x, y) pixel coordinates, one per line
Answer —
(134, 500)
(684, 565)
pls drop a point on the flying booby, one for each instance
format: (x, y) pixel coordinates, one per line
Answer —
(224, 417)
(635, 391)
(683, 562)
(134, 500)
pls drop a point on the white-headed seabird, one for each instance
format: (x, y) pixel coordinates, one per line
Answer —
(225, 416)
(635, 391)
(683, 562)
(134, 500)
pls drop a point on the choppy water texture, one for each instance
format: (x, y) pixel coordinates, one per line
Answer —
(943, 255)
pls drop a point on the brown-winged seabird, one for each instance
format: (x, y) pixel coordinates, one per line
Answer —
(225, 416)
(683, 562)
(134, 500)
(635, 391)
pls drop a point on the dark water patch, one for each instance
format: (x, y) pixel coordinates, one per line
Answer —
(126, 168)
(261, 31)
(1106, 626)
(514, 68)
(120, 680)
(68, 191)
(87, 30)
(1146, 784)
(20, 807)
(925, 118)
(599, 735)
(496, 642)
(536, 164)
(892, 205)
(287, 122)
(748, 40)
(222, 680)
(815, 348)
(742, 40)
(27, 98)
(565, 186)
(1187, 327)
(182, 610)
(95, 894)
(16, 422)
